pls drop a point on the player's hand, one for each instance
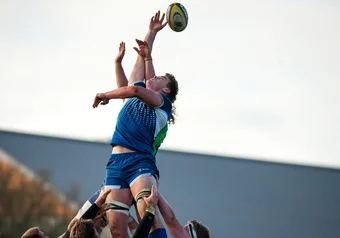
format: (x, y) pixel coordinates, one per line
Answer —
(152, 200)
(157, 24)
(121, 53)
(100, 98)
(102, 197)
(143, 49)
(99, 221)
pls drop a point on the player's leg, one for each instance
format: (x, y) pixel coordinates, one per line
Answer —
(117, 211)
(118, 201)
(140, 188)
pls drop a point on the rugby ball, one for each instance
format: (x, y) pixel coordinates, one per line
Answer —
(177, 17)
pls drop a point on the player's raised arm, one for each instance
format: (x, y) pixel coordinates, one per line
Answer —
(148, 96)
(121, 79)
(145, 53)
(156, 24)
(174, 227)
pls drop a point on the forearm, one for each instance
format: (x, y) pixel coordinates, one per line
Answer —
(150, 38)
(166, 211)
(149, 69)
(91, 212)
(144, 226)
(121, 79)
(122, 92)
(138, 70)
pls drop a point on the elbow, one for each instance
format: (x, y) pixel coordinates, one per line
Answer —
(133, 91)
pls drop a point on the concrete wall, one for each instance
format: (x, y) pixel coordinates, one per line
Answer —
(234, 197)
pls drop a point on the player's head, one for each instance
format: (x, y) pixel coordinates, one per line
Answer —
(84, 229)
(197, 229)
(166, 84)
(34, 232)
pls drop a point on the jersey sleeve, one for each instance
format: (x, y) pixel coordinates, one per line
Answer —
(139, 83)
(166, 105)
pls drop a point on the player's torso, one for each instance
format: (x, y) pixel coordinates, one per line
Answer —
(139, 124)
(138, 118)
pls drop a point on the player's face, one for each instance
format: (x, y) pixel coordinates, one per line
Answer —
(157, 83)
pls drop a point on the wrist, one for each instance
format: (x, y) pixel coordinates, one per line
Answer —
(147, 57)
(98, 203)
(151, 209)
(152, 32)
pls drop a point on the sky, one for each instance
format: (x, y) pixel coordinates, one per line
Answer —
(258, 79)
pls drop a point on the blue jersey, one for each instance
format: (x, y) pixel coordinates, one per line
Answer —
(141, 127)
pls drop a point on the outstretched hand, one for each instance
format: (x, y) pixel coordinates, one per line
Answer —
(100, 98)
(143, 48)
(157, 24)
(121, 52)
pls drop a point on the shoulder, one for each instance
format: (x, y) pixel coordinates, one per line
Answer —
(166, 104)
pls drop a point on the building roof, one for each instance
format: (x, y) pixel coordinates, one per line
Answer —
(234, 197)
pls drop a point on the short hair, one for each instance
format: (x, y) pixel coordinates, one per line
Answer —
(83, 229)
(202, 230)
(33, 232)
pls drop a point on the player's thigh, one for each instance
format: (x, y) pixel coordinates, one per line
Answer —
(117, 206)
(142, 184)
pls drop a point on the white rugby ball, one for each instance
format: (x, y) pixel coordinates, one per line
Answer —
(177, 17)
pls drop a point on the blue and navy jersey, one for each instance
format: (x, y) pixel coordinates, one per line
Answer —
(141, 127)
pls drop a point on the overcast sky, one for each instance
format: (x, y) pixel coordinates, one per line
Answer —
(257, 78)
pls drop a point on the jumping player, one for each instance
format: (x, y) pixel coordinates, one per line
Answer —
(138, 134)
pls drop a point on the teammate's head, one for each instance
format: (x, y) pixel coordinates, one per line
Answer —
(166, 84)
(197, 229)
(34, 232)
(84, 229)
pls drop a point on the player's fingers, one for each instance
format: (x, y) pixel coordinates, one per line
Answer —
(107, 192)
(163, 15)
(164, 24)
(102, 214)
(136, 50)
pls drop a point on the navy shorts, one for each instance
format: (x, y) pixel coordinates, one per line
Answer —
(122, 170)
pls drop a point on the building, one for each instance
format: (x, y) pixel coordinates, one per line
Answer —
(235, 197)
